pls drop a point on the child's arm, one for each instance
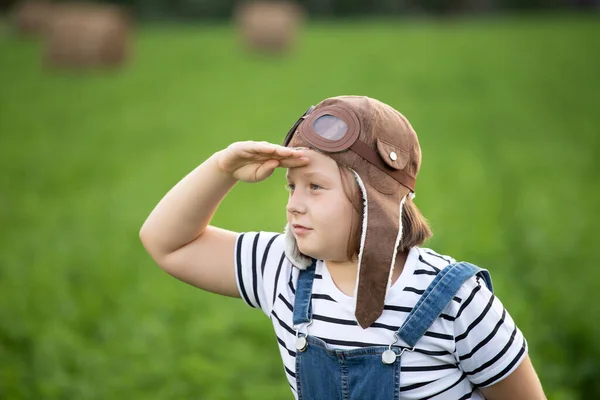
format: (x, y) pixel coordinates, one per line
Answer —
(523, 383)
(177, 233)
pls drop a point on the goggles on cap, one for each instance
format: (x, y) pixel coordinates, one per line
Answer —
(333, 130)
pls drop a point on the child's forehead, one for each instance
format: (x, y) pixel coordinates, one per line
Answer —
(318, 165)
(304, 173)
(314, 155)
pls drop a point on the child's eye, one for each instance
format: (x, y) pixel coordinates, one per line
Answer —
(315, 187)
(290, 187)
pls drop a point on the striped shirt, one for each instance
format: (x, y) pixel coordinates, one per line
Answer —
(473, 343)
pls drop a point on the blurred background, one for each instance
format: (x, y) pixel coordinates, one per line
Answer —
(105, 106)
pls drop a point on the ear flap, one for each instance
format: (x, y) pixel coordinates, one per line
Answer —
(292, 252)
(380, 238)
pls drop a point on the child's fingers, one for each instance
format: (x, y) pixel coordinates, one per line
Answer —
(294, 162)
(264, 147)
(273, 150)
(277, 155)
(265, 170)
(286, 151)
(271, 164)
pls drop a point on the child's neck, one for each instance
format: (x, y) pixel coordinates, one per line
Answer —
(344, 273)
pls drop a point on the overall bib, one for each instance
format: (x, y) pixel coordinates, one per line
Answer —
(324, 373)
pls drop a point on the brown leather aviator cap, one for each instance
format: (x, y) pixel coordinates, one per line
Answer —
(382, 149)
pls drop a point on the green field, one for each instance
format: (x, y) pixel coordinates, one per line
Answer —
(508, 117)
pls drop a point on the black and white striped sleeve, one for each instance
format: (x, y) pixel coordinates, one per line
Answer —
(489, 345)
(258, 255)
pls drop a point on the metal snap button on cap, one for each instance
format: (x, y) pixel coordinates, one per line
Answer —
(393, 156)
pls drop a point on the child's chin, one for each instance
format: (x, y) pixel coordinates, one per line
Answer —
(310, 251)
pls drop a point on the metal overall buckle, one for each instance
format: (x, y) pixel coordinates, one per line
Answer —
(301, 342)
(389, 356)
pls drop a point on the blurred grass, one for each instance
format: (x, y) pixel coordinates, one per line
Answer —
(507, 114)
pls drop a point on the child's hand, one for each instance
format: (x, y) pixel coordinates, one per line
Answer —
(256, 161)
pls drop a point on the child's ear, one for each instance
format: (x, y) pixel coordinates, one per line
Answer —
(292, 252)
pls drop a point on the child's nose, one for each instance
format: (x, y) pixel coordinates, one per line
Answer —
(295, 204)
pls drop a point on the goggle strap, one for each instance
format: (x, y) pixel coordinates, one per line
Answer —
(360, 148)
(290, 133)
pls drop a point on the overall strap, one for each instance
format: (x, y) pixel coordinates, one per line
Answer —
(302, 303)
(436, 297)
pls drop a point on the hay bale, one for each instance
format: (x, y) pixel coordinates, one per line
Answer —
(268, 26)
(80, 35)
(29, 17)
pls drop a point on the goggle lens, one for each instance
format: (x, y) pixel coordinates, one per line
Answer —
(330, 127)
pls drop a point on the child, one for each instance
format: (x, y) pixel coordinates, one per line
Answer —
(360, 309)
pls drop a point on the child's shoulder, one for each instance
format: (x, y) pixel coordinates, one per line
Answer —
(260, 247)
(430, 263)
(427, 255)
(261, 238)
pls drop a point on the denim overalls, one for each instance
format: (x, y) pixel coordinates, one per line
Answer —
(323, 373)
